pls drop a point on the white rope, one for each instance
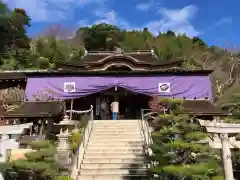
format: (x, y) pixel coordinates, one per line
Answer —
(80, 112)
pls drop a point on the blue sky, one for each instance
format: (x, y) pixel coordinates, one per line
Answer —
(215, 21)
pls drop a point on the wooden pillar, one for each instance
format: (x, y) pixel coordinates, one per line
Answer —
(31, 129)
(71, 110)
(64, 108)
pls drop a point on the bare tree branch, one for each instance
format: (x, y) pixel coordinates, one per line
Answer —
(233, 62)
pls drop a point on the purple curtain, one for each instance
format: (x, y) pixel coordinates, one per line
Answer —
(75, 87)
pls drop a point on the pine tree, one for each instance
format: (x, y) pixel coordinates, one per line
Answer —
(40, 164)
(178, 152)
(233, 107)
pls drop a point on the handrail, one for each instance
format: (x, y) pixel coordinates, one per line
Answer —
(147, 137)
(87, 128)
(144, 136)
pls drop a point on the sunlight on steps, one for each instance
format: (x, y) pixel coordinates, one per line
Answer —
(114, 152)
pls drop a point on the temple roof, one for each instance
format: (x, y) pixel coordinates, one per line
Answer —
(144, 56)
(55, 109)
(198, 107)
(23, 75)
(93, 63)
(37, 109)
(137, 60)
(202, 107)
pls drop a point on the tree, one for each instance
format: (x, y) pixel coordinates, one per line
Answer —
(4, 26)
(170, 33)
(46, 51)
(136, 40)
(40, 164)
(14, 40)
(177, 148)
(198, 41)
(231, 65)
(101, 37)
(233, 107)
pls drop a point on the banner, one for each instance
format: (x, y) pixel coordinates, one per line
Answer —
(189, 87)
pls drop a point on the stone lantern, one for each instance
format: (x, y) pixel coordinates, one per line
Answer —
(63, 138)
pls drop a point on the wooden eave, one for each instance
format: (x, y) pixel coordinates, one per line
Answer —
(120, 61)
(202, 108)
(37, 109)
(78, 72)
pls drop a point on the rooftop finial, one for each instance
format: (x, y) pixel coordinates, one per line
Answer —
(152, 51)
(119, 51)
(85, 52)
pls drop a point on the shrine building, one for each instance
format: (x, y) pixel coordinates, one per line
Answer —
(131, 78)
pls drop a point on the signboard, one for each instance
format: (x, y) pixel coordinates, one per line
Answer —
(69, 87)
(164, 87)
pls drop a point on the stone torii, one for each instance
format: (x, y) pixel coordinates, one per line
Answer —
(220, 140)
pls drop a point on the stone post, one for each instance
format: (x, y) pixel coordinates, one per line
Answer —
(63, 140)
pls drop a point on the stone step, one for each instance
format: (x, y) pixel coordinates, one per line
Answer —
(104, 139)
(116, 131)
(114, 172)
(118, 125)
(120, 147)
(117, 160)
(115, 143)
(115, 135)
(130, 140)
(116, 121)
(116, 146)
(131, 123)
(112, 155)
(112, 166)
(112, 177)
(107, 133)
(124, 128)
(132, 150)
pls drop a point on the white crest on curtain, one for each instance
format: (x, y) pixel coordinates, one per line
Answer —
(69, 87)
(164, 87)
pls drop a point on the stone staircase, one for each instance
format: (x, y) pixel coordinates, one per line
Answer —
(114, 152)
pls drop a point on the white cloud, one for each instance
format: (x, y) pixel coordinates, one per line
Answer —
(177, 20)
(224, 20)
(49, 10)
(145, 6)
(184, 14)
(111, 17)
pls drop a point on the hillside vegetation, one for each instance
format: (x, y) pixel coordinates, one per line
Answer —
(18, 51)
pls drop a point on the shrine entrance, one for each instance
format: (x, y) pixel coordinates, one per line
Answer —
(130, 103)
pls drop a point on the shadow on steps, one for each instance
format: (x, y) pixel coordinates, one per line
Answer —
(137, 171)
